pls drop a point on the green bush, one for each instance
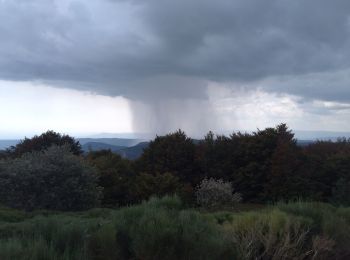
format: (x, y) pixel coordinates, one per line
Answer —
(166, 202)
(341, 192)
(53, 179)
(147, 185)
(151, 231)
(344, 213)
(313, 210)
(102, 244)
(54, 237)
(12, 215)
(327, 221)
(164, 229)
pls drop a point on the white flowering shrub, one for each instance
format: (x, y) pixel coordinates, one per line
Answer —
(212, 193)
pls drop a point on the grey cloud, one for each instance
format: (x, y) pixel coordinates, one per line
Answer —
(133, 47)
(244, 40)
(330, 85)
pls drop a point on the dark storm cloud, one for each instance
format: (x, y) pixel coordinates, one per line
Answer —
(173, 48)
(251, 39)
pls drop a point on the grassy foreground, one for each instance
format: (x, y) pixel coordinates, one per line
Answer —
(163, 229)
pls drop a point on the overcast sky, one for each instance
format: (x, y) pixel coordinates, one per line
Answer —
(84, 67)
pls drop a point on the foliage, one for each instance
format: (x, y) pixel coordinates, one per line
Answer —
(11, 215)
(269, 235)
(116, 177)
(53, 179)
(264, 166)
(43, 142)
(54, 237)
(164, 229)
(174, 153)
(283, 179)
(341, 192)
(325, 162)
(146, 185)
(214, 193)
(152, 232)
(328, 222)
(257, 164)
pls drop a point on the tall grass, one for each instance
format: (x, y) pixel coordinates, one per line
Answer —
(269, 235)
(164, 229)
(327, 221)
(160, 230)
(54, 237)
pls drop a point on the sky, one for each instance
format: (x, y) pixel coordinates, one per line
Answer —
(154, 66)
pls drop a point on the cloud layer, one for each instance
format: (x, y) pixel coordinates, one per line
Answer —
(113, 46)
(166, 54)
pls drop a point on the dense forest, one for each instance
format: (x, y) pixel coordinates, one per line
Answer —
(263, 167)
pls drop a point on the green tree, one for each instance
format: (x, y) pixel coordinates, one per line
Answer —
(53, 179)
(116, 176)
(284, 178)
(325, 163)
(257, 164)
(173, 153)
(215, 156)
(44, 141)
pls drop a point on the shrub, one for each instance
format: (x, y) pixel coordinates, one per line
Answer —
(328, 221)
(212, 193)
(102, 244)
(163, 229)
(341, 192)
(159, 230)
(12, 215)
(148, 185)
(54, 237)
(53, 179)
(269, 235)
(322, 247)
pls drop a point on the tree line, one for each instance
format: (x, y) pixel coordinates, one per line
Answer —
(264, 166)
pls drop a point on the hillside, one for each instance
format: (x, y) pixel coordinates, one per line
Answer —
(7, 143)
(133, 152)
(97, 146)
(126, 142)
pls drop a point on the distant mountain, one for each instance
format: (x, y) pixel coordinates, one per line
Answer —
(126, 142)
(96, 143)
(97, 146)
(305, 142)
(133, 152)
(7, 143)
(320, 135)
(144, 136)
